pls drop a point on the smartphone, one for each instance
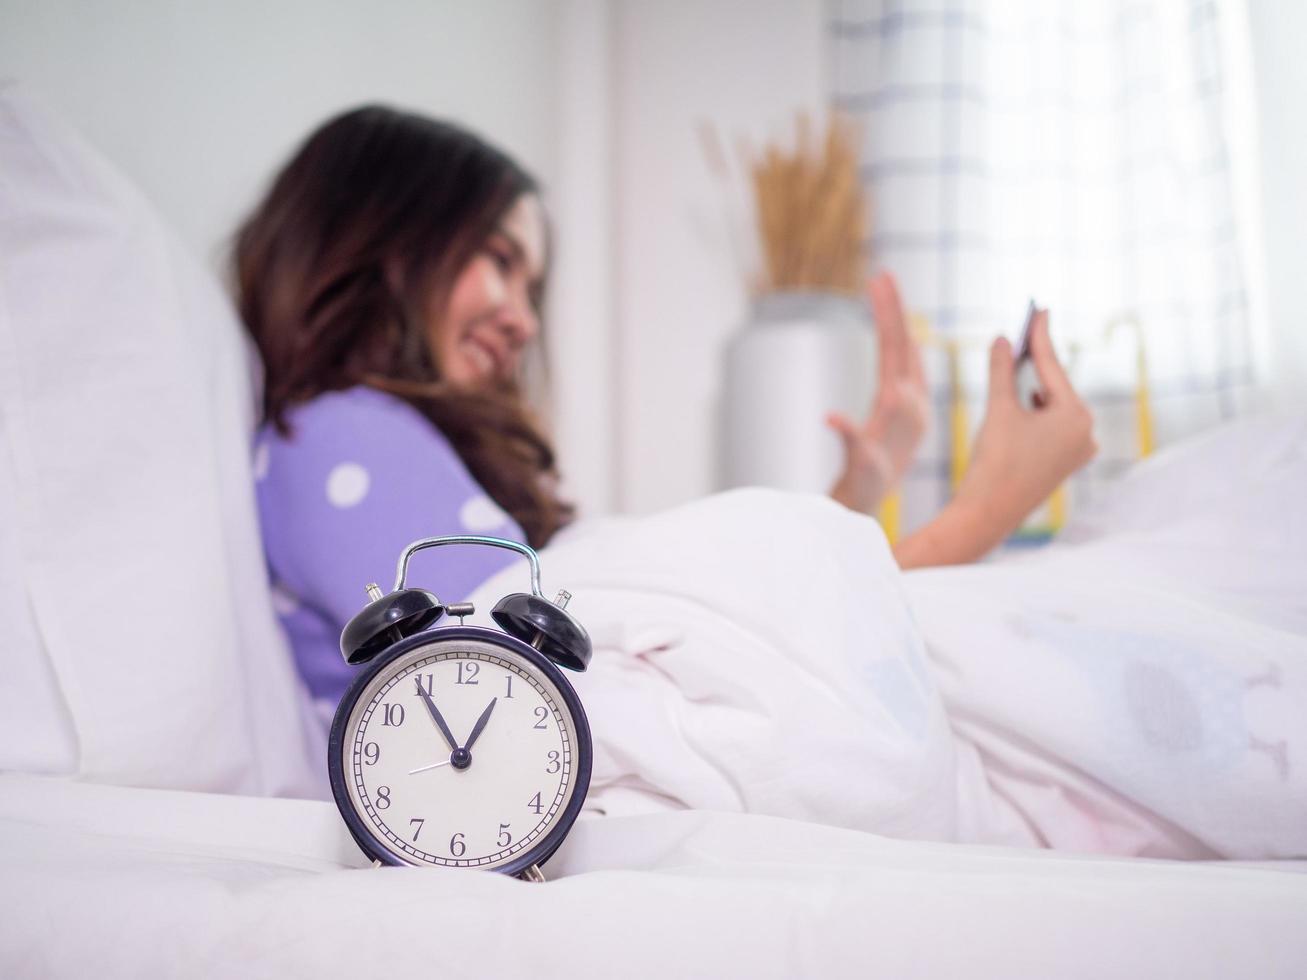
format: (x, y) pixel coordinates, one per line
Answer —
(1030, 393)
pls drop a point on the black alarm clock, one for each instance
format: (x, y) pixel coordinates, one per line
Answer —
(461, 746)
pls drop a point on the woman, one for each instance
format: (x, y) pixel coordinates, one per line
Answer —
(392, 281)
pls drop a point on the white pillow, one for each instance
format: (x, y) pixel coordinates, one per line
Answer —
(138, 624)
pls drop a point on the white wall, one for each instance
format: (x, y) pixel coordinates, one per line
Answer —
(744, 66)
(582, 339)
(199, 102)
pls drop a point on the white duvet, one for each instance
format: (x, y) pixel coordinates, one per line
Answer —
(760, 652)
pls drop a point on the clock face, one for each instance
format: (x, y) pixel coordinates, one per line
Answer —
(460, 753)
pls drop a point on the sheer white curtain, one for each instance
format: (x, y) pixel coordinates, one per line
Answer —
(1076, 153)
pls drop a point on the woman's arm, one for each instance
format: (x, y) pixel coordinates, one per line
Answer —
(1021, 455)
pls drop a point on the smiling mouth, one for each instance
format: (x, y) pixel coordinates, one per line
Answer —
(488, 357)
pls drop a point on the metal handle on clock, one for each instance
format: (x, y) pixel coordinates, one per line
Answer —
(416, 546)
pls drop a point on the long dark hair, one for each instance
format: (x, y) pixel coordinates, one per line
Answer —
(364, 231)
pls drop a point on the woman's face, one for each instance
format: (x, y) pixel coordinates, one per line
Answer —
(492, 311)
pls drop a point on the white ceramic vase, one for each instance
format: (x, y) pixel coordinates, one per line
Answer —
(800, 356)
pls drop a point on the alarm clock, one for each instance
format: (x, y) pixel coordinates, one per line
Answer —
(461, 746)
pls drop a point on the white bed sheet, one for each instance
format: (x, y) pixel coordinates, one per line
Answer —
(114, 882)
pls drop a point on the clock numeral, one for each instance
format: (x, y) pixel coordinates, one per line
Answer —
(427, 687)
(541, 714)
(456, 846)
(371, 753)
(509, 678)
(554, 763)
(392, 715)
(383, 798)
(535, 804)
(419, 821)
(505, 838)
(467, 672)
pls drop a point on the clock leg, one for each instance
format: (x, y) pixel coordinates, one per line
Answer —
(533, 873)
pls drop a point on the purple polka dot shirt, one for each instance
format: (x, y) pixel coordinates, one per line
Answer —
(362, 475)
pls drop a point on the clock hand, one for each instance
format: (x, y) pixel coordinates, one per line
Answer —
(434, 765)
(481, 723)
(437, 717)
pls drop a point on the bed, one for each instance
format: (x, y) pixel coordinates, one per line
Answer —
(1085, 760)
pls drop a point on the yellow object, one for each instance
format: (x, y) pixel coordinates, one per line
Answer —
(959, 421)
(959, 424)
(960, 428)
(1143, 403)
(1057, 509)
(890, 515)
(1143, 409)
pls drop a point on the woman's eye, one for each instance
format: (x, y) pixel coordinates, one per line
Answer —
(501, 259)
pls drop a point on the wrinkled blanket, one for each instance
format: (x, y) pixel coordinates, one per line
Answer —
(761, 652)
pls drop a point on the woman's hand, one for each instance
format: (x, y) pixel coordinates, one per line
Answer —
(1019, 458)
(878, 452)
(1021, 455)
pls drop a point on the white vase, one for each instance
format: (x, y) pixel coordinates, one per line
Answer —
(800, 356)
